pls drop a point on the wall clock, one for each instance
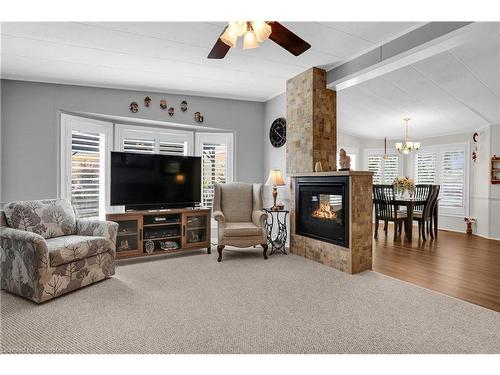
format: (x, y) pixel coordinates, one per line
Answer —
(277, 133)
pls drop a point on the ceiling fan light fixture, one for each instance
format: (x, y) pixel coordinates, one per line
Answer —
(229, 37)
(250, 40)
(262, 30)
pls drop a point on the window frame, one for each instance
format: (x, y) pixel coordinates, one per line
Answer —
(123, 131)
(83, 124)
(439, 150)
(380, 152)
(217, 137)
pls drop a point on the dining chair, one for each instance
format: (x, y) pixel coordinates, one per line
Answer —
(424, 217)
(433, 223)
(386, 209)
(422, 192)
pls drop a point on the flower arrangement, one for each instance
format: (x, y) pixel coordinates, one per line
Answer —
(469, 221)
(403, 184)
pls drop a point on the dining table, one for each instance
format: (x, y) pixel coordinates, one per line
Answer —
(410, 203)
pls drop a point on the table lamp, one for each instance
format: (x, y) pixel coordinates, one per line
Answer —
(275, 179)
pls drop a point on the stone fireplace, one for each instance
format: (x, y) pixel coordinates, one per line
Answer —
(331, 211)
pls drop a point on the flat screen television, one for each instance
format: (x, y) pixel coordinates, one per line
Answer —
(146, 181)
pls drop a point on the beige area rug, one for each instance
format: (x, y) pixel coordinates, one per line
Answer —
(287, 304)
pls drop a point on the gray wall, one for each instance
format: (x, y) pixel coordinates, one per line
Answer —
(30, 129)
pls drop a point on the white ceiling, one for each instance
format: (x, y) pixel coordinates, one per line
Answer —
(171, 56)
(452, 92)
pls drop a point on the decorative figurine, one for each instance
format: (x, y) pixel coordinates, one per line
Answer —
(184, 106)
(171, 111)
(318, 167)
(147, 101)
(134, 107)
(163, 104)
(198, 117)
(149, 246)
(344, 160)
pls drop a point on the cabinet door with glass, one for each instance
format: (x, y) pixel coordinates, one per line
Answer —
(196, 229)
(129, 236)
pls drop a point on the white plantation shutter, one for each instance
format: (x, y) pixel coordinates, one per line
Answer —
(87, 171)
(148, 140)
(85, 164)
(384, 170)
(452, 170)
(375, 166)
(173, 148)
(216, 152)
(214, 164)
(391, 169)
(138, 145)
(425, 167)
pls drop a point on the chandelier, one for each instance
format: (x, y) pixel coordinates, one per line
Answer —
(253, 32)
(407, 146)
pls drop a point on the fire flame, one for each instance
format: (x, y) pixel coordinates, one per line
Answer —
(324, 212)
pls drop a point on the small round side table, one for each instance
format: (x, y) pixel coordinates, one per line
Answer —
(276, 217)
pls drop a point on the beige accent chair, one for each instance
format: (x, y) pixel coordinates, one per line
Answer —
(241, 220)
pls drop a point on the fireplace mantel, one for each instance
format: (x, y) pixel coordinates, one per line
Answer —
(331, 173)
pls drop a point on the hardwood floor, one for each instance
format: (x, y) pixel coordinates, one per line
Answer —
(456, 264)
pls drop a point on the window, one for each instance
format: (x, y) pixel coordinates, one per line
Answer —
(445, 165)
(216, 150)
(425, 167)
(84, 150)
(384, 170)
(153, 140)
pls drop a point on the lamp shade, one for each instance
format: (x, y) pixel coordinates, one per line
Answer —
(250, 40)
(262, 30)
(275, 178)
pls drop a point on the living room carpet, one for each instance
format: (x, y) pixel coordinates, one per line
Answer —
(286, 304)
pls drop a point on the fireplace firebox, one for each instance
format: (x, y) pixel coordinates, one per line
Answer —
(322, 208)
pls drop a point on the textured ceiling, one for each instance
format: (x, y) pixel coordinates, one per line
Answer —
(171, 56)
(451, 92)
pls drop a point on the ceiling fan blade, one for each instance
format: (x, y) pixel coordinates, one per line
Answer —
(220, 48)
(288, 40)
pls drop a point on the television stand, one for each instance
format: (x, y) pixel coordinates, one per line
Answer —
(175, 230)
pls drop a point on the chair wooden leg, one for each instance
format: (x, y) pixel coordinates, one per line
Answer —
(219, 250)
(423, 230)
(431, 231)
(376, 228)
(419, 229)
(395, 230)
(264, 246)
(400, 230)
(386, 224)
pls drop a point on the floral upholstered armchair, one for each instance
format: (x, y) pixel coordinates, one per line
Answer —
(47, 251)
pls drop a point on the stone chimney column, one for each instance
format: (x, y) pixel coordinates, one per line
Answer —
(311, 122)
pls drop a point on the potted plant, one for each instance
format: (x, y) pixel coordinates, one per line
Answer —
(469, 221)
(404, 186)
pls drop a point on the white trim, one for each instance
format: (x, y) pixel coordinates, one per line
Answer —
(227, 138)
(68, 124)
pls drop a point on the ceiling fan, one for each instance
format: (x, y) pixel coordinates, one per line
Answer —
(255, 32)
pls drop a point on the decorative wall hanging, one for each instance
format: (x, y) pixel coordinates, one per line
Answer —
(134, 107)
(198, 117)
(184, 106)
(495, 170)
(385, 149)
(171, 111)
(474, 146)
(147, 101)
(163, 104)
